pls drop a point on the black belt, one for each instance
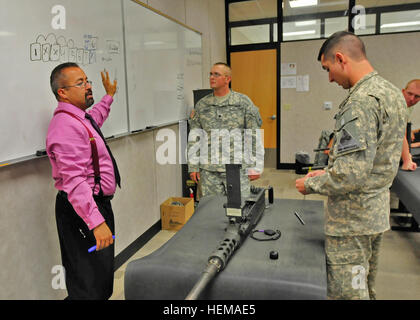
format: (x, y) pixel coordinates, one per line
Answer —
(96, 197)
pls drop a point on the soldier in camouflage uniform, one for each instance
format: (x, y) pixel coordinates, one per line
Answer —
(411, 94)
(363, 162)
(225, 121)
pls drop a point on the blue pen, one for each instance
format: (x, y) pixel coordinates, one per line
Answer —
(94, 247)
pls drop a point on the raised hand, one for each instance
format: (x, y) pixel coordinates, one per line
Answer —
(110, 88)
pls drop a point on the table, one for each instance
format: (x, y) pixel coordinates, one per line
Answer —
(406, 185)
(299, 273)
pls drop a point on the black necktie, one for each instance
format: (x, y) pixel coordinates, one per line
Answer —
(114, 163)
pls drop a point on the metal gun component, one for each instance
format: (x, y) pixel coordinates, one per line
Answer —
(314, 168)
(243, 217)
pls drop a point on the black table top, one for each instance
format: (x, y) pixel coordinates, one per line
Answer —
(299, 273)
(407, 187)
(415, 152)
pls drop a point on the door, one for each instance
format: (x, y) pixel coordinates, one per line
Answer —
(254, 73)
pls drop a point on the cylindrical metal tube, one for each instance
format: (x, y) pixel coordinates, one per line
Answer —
(236, 232)
(314, 168)
(207, 275)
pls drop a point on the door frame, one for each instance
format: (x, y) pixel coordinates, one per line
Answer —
(263, 46)
(267, 46)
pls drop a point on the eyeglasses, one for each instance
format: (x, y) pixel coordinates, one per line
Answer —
(416, 96)
(79, 85)
(215, 74)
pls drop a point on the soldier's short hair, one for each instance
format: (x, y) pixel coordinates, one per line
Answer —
(345, 41)
(228, 68)
(416, 81)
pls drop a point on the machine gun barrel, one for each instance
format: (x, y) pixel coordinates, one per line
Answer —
(237, 231)
(208, 274)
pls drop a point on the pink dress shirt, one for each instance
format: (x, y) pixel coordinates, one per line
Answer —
(70, 154)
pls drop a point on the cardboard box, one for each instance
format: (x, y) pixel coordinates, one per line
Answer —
(174, 217)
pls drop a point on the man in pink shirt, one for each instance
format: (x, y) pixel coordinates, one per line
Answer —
(83, 209)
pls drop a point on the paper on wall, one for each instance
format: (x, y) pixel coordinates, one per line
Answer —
(288, 68)
(302, 83)
(288, 82)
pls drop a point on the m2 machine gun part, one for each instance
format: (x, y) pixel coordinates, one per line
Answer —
(243, 216)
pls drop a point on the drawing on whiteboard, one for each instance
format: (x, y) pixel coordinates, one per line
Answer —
(180, 86)
(193, 62)
(194, 56)
(195, 51)
(50, 48)
(91, 42)
(113, 46)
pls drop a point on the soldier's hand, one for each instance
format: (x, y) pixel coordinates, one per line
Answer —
(409, 166)
(195, 176)
(253, 175)
(300, 185)
(110, 88)
(315, 173)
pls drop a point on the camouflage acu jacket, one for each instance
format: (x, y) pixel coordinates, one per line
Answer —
(223, 131)
(364, 159)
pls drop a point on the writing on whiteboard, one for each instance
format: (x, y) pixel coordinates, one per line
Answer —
(113, 47)
(180, 86)
(58, 49)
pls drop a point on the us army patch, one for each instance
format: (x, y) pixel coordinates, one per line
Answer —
(347, 142)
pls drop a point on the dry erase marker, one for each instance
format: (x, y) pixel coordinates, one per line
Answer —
(94, 247)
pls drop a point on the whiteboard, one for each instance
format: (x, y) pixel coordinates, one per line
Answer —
(30, 48)
(164, 66)
(156, 61)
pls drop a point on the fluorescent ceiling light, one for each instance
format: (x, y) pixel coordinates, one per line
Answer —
(305, 23)
(298, 33)
(302, 3)
(400, 24)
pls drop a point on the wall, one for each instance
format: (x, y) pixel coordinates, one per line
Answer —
(30, 247)
(211, 24)
(303, 117)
